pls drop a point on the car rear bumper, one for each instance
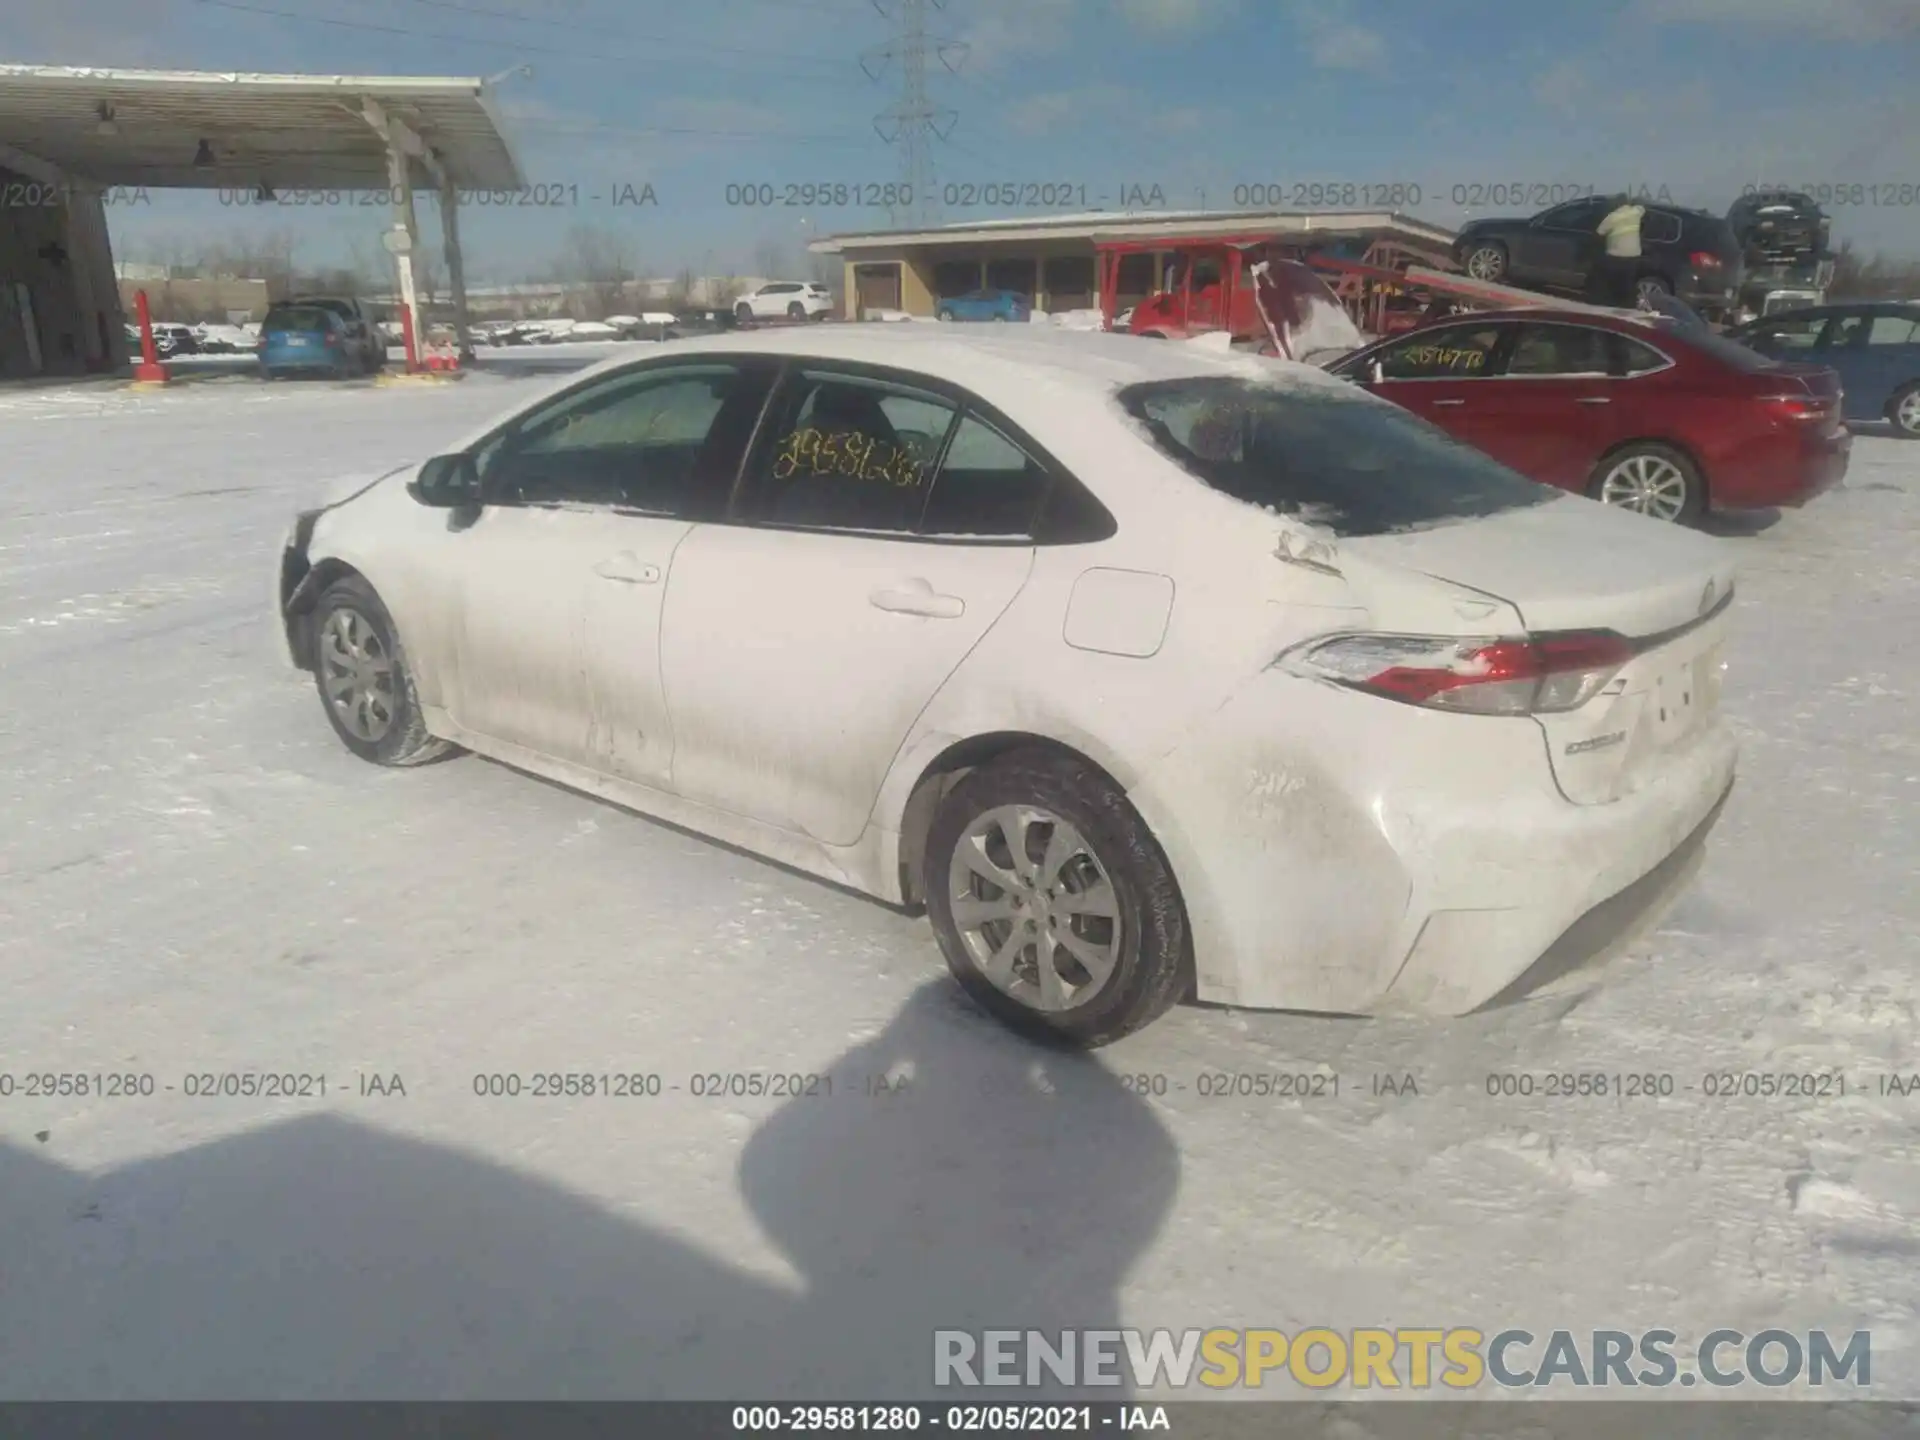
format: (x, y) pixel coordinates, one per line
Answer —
(1786, 472)
(1342, 853)
(300, 360)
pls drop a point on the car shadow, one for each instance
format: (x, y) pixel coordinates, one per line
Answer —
(1739, 524)
(983, 1185)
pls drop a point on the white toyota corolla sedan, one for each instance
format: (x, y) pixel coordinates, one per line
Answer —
(1148, 671)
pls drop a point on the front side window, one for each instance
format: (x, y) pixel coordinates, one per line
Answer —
(1544, 350)
(634, 441)
(1577, 215)
(1344, 461)
(1800, 332)
(848, 453)
(1460, 353)
(1849, 330)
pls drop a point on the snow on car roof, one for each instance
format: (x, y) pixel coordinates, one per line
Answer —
(996, 360)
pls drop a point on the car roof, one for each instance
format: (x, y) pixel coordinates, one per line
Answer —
(1028, 359)
(1539, 314)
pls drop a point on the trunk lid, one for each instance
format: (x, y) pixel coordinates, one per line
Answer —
(1822, 385)
(1573, 564)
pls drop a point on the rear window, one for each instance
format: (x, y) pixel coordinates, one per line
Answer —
(303, 317)
(1353, 464)
(1729, 352)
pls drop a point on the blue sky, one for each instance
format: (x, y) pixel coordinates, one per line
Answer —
(1196, 97)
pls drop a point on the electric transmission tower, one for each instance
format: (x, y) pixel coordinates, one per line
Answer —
(913, 122)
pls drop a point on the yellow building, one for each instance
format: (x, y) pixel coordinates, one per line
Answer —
(1051, 258)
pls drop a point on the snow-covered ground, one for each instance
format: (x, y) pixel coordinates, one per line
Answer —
(198, 881)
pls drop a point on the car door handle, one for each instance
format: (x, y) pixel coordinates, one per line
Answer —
(1595, 400)
(917, 597)
(628, 570)
(1438, 403)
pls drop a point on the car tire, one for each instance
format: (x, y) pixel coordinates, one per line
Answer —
(355, 650)
(999, 319)
(1648, 286)
(743, 312)
(796, 311)
(1145, 939)
(1903, 411)
(1653, 480)
(1486, 261)
(947, 316)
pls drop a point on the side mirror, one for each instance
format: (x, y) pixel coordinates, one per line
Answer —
(447, 482)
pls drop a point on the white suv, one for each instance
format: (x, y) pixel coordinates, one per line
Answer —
(791, 299)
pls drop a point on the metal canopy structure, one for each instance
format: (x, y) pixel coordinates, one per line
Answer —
(90, 130)
(1143, 226)
(182, 129)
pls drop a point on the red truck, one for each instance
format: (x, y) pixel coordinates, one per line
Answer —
(1241, 285)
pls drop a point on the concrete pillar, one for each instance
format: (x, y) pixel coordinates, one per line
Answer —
(400, 177)
(77, 238)
(456, 265)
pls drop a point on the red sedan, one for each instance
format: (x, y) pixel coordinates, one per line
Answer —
(1666, 419)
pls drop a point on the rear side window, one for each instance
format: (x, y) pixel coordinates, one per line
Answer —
(1894, 330)
(1545, 350)
(987, 486)
(1346, 462)
(848, 453)
(1659, 227)
(1635, 357)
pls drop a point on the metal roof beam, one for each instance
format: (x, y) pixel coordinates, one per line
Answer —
(402, 137)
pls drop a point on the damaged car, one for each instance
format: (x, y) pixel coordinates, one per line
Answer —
(1145, 672)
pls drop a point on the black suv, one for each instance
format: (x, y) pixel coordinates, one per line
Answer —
(1685, 253)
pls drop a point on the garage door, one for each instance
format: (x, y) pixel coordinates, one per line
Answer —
(878, 287)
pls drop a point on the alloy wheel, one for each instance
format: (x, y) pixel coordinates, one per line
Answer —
(1648, 485)
(359, 674)
(1034, 907)
(1907, 417)
(1486, 264)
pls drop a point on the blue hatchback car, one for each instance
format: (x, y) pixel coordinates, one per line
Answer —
(305, 339)
(1874, 346)
(1008, 305)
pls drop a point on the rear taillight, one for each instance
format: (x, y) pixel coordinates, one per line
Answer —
(1531, 675)
(1803, 409)
(1704, 260)
(333, 338)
